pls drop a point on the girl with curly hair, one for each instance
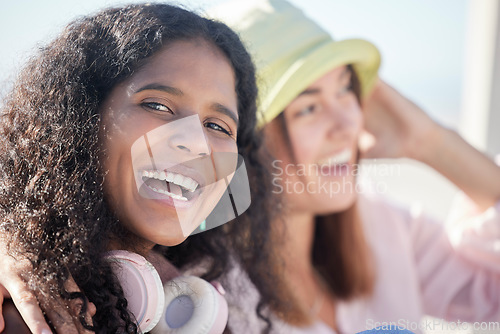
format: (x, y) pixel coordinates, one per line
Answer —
(68, 186)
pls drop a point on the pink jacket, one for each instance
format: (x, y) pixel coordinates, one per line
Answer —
(424, 267)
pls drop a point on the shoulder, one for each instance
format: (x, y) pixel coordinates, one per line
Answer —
(385, 212)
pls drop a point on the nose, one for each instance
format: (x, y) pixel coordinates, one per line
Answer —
(189, 138)
(188, 150)
(341, 119)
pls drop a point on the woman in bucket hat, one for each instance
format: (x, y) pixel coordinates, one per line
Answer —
(352, 261)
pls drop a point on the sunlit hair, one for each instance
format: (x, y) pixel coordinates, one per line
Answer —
(52, 205)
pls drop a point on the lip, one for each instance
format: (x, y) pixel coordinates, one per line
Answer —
(177, 169)
(340, 170)
(168, 201)
(327, 157)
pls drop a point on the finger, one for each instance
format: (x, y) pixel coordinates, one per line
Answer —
(366, 143)
(61, 318)
(77, 304)
(63, 315)
(13, 286)
(27, 305)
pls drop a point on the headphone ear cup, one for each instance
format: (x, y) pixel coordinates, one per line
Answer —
(141, 286)
(192, 306)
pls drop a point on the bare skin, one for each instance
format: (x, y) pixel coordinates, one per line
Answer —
(14, 291)
(14, 322)
(402, 129)
(399, 128)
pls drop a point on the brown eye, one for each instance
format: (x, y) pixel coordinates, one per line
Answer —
(217, 127)
(157, 107)
(306, 111)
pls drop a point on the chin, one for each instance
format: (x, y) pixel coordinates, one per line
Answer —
(163, 233)
(170, 240)
(334, 204)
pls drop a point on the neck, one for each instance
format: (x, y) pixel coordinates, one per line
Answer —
(299, 237)
(305, 286)
(132, 244)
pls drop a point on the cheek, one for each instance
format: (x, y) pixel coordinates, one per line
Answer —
(125, 129)
(360, 119)
(228, 145)
(356, 115)
(305, 142)
(222, 144)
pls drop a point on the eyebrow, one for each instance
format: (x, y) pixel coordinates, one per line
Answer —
(175, 91)
(163, 88)
(226, 111)
(309, 92)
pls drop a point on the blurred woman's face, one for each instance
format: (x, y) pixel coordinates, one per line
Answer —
(161, 129)
(316, 164)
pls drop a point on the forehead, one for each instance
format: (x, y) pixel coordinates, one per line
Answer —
(181, 60)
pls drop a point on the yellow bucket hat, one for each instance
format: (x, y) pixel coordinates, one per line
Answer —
(291, 51)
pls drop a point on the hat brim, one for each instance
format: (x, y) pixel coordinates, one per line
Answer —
(361, 54)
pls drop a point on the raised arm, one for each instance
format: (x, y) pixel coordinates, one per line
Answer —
(402, 129)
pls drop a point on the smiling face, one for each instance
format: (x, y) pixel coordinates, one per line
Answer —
(161, 130)
(318, 160)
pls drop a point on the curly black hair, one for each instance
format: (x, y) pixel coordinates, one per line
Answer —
(52, 206)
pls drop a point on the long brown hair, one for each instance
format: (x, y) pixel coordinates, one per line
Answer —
(346, 268)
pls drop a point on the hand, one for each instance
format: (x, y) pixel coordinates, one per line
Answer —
(395, 126)
(399, 128)
(12, 285)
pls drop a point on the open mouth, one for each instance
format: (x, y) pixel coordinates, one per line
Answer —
(341, 158)
(175, 185)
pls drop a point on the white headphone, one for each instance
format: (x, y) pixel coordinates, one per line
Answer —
(184, 305)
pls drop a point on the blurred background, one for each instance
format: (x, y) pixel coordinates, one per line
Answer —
(440, 53)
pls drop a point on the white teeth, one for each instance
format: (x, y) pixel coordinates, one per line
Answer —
(169, 177)
(342, 157)
(178, 179)
(192, 184)
(164, 192)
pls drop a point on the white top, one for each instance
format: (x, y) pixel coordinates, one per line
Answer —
(423, 267)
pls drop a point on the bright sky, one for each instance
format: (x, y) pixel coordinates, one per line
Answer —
(421, 41)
